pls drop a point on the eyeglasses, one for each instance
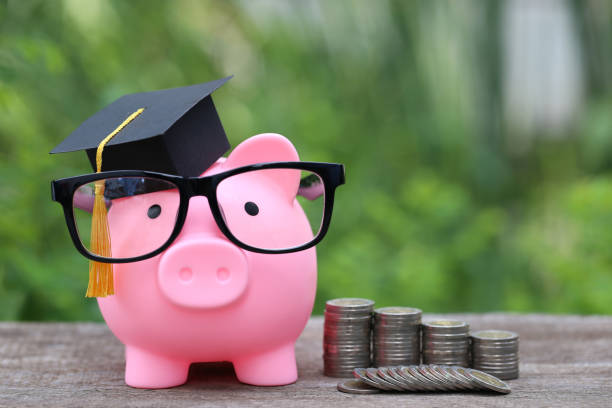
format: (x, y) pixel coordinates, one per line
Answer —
(270, 208)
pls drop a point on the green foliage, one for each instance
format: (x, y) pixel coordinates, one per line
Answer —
(439, 210)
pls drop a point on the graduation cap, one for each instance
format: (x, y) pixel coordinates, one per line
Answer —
(176, 131)
(173, 131)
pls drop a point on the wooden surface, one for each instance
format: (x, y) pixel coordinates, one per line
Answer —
(565, 361)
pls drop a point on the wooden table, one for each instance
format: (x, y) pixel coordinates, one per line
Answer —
(565, 361)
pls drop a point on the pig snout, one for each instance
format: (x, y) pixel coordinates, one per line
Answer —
(203, 272)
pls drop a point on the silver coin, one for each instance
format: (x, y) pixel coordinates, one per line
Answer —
(353, 304)
(336, 349)
(494, 335)
(424, 370)
(346, 322)
(497, 364)
(393, 312)
(391, 352)
(348, 330)
(410, 384)
(454, 372)
(444, 333)
(342, 366)
(394, 351)
(502, 375)
(356, 386)
(488, 381)
(401, 358)
(407, 325)
(441, 371)
(459, 340)
(404, 341)
(460, 363)
(495, 354)
(445, 325)
(376, 377)
(413, 371)
(397, 335)
(496, 348)
(348, 359)
(389, 374)
(396, 347)
(392, 357)
(409, 345)
(361, 373)
(387, 352)
(384, 374)
(361, 339)
(428, 371)
(446, 350)
(462, 372)
(498, 355)
(402, 373)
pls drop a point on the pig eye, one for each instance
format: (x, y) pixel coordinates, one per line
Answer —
(251, 208)
(154, 211)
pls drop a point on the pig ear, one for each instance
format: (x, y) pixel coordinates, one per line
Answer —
(268, 147)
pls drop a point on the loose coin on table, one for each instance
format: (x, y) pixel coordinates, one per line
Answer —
(426, 378)
(430, 372)
(488, 381)
(416, 373)
(383, 372)
(361, 373)
(356, 386)
(374, 376)
(460, 379)
(410, 383)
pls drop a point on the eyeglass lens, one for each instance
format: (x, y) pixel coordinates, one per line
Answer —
(141, 213)
(263, 208)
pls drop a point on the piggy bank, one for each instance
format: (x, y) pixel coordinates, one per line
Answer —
(204, 299)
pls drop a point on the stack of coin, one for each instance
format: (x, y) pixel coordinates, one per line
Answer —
(346, 336)
(396, 336)
(496, 352)
(446, 342)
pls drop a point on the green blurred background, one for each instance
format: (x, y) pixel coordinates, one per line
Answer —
(477, 137)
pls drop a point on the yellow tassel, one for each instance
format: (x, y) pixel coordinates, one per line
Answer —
(101, 273)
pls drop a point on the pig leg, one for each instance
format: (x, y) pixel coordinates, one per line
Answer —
(272, 367)
(144, 369)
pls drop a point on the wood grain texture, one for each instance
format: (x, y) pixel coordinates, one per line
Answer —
(565, 361)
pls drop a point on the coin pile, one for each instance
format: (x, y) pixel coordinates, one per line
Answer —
(427, 378)
(346, 336)
(396, 336)
(496, 352)
(446, 342)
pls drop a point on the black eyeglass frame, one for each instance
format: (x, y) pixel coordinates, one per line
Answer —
(62, 191)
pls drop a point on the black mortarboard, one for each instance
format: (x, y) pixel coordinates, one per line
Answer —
(178, 132)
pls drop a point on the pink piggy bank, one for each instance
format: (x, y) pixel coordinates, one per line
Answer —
(204, 299)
